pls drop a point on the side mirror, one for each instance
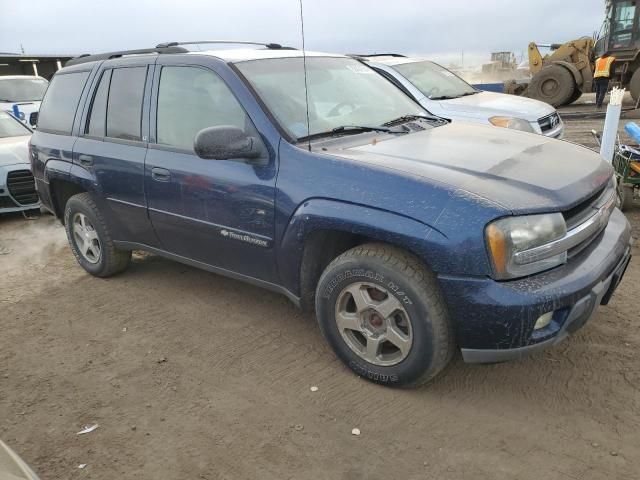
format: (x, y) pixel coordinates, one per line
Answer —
(33, 119)
(226, 142)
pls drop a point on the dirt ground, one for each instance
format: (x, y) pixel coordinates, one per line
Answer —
(193, 376)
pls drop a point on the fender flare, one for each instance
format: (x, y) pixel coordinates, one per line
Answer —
(58, 170)
(332, 215)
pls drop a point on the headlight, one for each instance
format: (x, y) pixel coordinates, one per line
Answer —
(512, 235)
(513, 123)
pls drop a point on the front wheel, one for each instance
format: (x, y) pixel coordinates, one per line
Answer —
(381, 311)
(90, 240)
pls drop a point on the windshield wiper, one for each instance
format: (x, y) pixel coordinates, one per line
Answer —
(6, 100)
(408, 118)
(360, 128)
(445, 97)
(350, 129)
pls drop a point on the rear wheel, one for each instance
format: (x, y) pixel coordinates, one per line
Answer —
(382, 312)
(90, 240)
(553, 84)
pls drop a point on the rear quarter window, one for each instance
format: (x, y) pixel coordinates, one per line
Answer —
(60, 103)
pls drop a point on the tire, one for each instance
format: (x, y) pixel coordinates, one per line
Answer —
(577, 93)
(387, 279)
(553, 84)
(634, 85)
(625, 197)
(102, 259)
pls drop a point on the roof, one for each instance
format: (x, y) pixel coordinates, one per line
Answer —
(264, 51)
(246, 54)
(392, 60)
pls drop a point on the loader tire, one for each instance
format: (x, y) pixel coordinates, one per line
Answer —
(553, 84)
(576, 95)
(634, 85)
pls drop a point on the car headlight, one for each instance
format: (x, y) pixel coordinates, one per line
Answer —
(513, 123)
(507, 237)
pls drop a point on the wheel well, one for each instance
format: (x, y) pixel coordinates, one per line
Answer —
(320, 249)
(61, 192)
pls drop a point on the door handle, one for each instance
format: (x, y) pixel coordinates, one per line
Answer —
(160, 174)
(86, 160)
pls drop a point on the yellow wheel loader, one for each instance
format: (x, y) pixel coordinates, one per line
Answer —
(562, 76)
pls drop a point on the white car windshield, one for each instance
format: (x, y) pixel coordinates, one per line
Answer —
(22, 89)
(434, 81)
(341, 92)
(10, 127)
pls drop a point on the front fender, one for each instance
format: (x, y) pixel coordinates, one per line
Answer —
(379, 225)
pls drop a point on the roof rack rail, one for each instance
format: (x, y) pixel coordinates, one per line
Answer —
(271, 46)
(377, 55)
(106, 56)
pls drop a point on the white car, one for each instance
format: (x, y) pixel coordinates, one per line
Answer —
(446, 95)
(17, 186)
(21, 95)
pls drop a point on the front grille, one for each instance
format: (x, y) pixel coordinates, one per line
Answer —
(549, 122)
(22, 187)
(583, 210)
(587, 209)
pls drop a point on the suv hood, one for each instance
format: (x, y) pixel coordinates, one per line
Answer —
(14, 150)
(493, 104)
(522, 172)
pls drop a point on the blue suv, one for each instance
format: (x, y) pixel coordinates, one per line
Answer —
(411, 237)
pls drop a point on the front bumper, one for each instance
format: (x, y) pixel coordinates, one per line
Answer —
(494, 321)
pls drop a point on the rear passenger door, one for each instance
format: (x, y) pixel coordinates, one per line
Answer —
(113, 145)
(219, 212)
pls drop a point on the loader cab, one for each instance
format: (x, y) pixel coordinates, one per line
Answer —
(620, 32)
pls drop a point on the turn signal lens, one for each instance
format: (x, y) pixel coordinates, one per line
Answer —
(498, 247)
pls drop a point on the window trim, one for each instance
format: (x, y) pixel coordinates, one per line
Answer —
(87, 122)
(70, 133)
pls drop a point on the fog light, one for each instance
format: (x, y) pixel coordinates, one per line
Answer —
(543, 321)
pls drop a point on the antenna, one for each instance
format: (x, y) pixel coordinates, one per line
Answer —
(304, 66)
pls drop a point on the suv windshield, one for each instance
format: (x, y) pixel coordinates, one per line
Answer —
(341, 92)
(22, 89)
(10, 127)
(434, 81)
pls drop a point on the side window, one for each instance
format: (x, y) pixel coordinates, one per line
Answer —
(98, 115)
(124, 105)
(59, 105)
(191, 99)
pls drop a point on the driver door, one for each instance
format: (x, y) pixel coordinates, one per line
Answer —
(216, 212)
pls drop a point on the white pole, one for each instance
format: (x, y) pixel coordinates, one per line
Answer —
(611, 122)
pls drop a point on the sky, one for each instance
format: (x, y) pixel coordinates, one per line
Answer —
(441, 30)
